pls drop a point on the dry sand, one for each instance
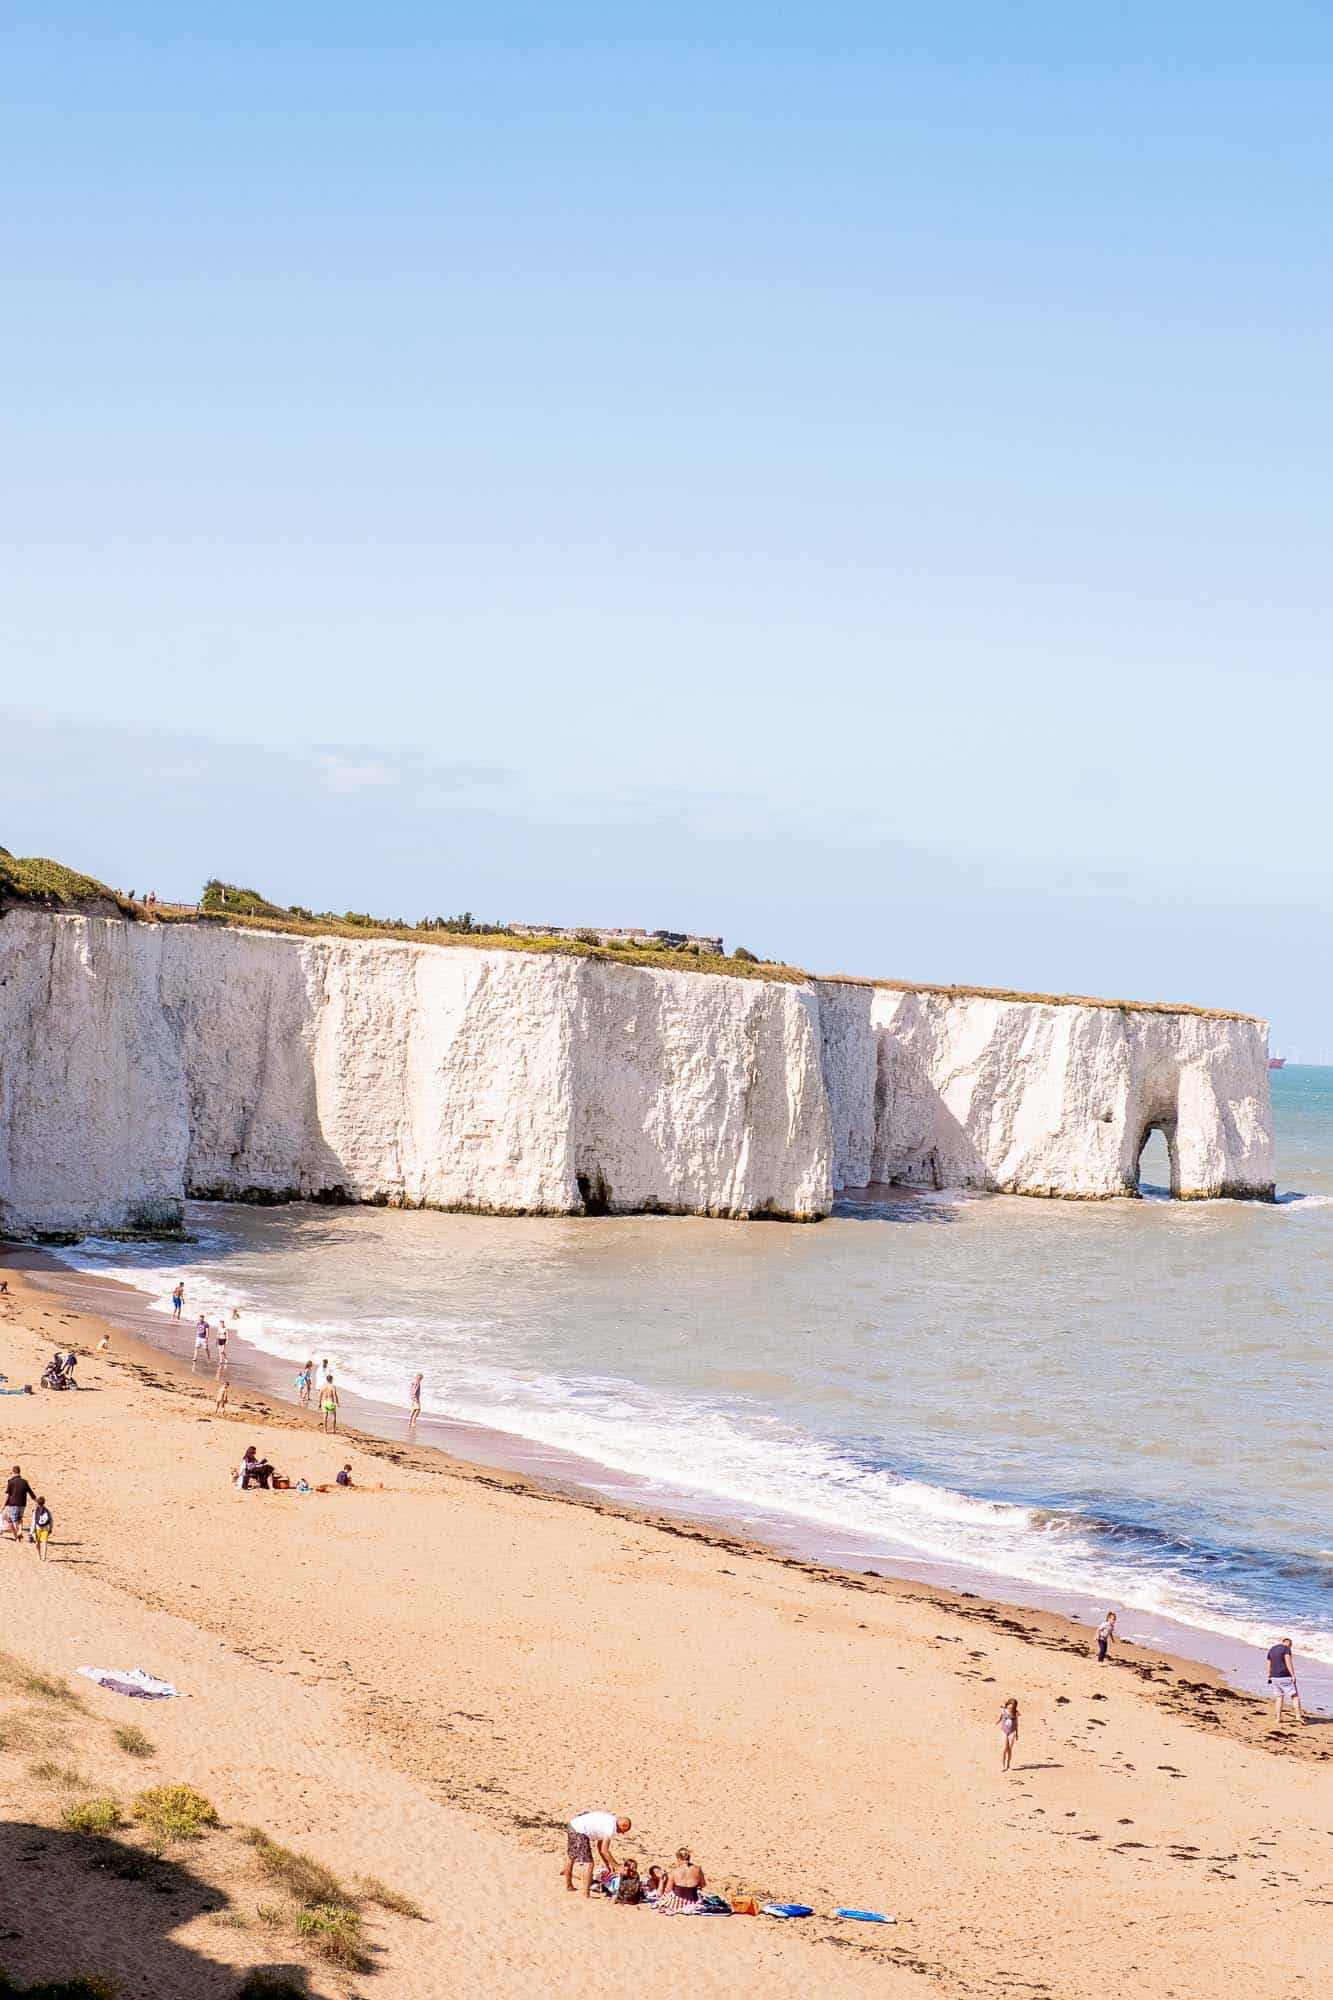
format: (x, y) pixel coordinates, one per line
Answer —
(423, 1678)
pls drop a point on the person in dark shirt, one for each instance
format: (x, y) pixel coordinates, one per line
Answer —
(1281, 1678)
(345, 1476)
(17, 1495)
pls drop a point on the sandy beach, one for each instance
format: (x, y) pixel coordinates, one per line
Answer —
(421, 1679)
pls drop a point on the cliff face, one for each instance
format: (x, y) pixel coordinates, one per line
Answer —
(143, 1063)
(1028, 1097)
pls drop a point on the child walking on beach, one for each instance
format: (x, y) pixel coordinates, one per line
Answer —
(304, 1383)
(1105, 1636)
(1008, 1731)
(42, 1525)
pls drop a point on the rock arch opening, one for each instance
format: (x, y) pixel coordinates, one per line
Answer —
(1157, 1166)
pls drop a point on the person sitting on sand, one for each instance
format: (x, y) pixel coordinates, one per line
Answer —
(1281, 1675)
(1105, 1637)
(629, 1886)
(254, 1470)
(70, 1364)
(581, 1834)
(42, 1525)
(344, 1478)
(1008, 1731)
(682, 1887)
(654, 1883)
(103, 1344)
(328, 1405)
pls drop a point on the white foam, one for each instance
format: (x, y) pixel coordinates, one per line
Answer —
(752, 1462)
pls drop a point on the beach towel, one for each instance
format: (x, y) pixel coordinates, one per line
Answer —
(132, 1681)
(715, 1906)
(787, 1910)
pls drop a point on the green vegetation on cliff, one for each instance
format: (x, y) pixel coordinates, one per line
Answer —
(52, 886)
(248, 910)
(48, 884)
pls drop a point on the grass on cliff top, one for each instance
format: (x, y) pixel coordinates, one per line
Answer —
(48, 884)
(52, 886)
(610, 954)
(1037, 999)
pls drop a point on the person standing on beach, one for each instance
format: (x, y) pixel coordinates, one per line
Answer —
(1105, 1636)
(1281, 1675)
(42, 1525)
(220, 1400)
(200, 1343)
(178, 1299)
(17, 1495)
(304, 1383)
(1008, 1731)
(414, 1410)
(579, 1837)
(328, 1404)
(222, 1342)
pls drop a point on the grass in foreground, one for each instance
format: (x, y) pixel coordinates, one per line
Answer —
(175, 1812)
(95, 1816)
(48, 1772)
(333, 1932)
(133, 1741)
(372, 1890)
(20, 1678)
(306, 1880)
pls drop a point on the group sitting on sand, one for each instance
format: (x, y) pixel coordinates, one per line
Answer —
(674, 1890)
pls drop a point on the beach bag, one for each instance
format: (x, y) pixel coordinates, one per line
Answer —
(744, 1906)
(788, 1910)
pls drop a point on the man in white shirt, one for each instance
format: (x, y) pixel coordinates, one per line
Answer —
(589, 1829)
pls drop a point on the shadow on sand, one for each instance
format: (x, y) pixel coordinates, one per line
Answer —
(98, 1906)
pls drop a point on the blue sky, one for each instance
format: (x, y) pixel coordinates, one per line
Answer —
(856, 478)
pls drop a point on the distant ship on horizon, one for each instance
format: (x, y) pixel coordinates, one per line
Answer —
(1277, 1062)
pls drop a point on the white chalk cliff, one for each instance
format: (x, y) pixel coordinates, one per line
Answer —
(142, 1063)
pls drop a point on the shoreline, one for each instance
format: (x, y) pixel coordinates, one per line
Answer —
(422, 1678)
(480, 1451)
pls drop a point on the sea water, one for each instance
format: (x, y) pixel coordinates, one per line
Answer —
(1122, 1402)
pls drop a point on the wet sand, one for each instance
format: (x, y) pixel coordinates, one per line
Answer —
(425, 1676)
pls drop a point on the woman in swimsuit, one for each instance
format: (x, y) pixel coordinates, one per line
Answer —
(683, 1886)
(1008, 1731)
(303, 1385)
